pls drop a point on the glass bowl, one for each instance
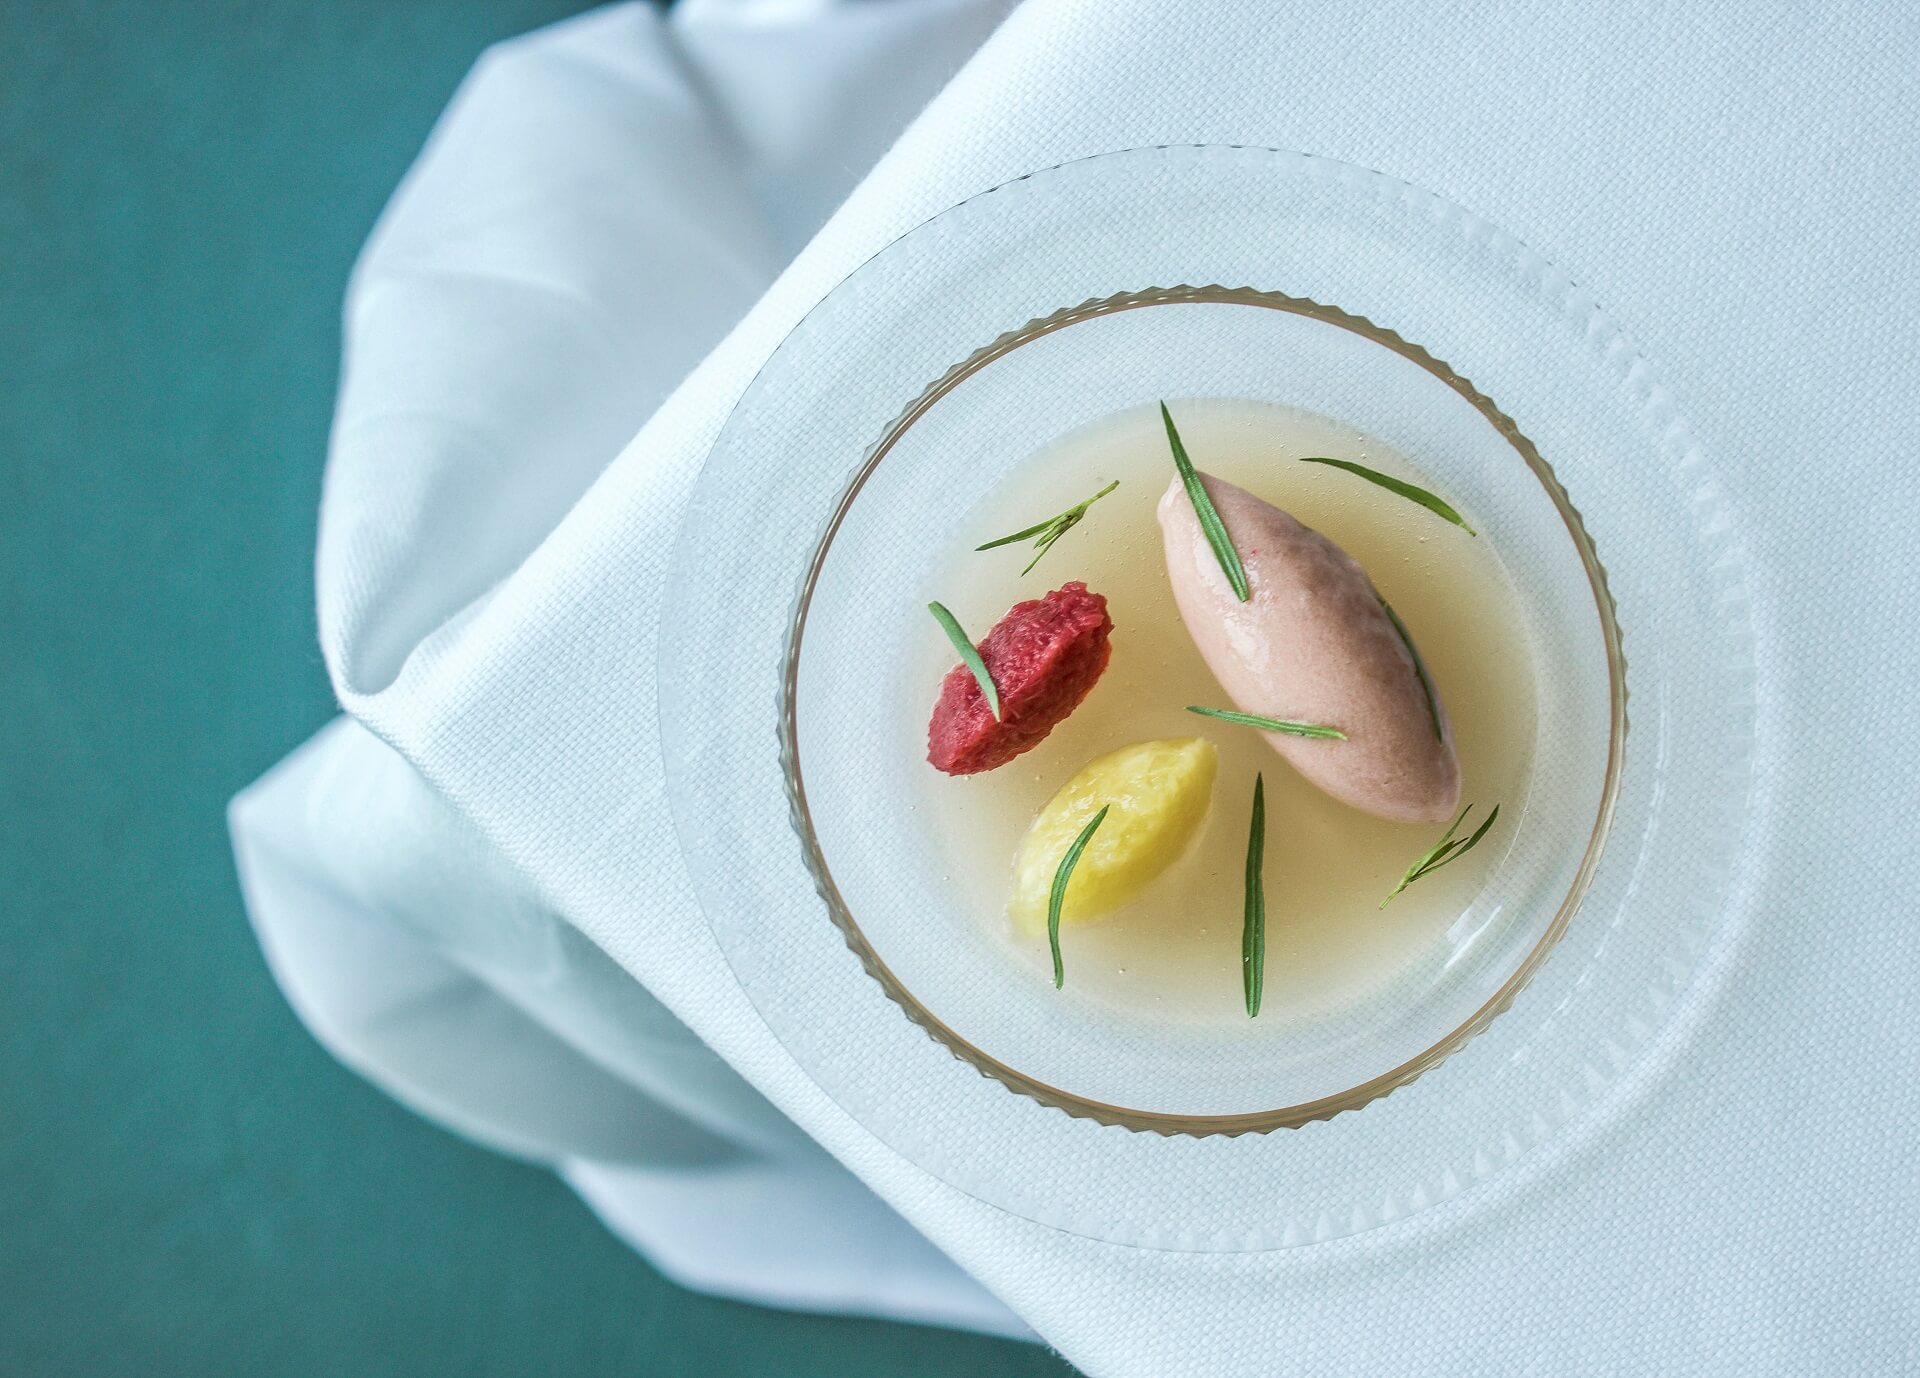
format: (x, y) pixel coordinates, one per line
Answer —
(793, 705)
(856, 695)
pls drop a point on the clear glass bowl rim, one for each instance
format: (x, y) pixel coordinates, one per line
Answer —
(1284, 1117)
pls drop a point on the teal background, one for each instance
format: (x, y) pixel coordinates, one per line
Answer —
(188, 1185)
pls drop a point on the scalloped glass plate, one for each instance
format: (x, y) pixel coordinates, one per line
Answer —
(790, 718)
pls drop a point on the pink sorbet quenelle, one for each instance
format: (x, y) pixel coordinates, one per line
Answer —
(1312, 644)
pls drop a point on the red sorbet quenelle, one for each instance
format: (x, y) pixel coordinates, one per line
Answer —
(1044, 656)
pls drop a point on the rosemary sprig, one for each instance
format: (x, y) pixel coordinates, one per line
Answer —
(1433, 502)
(1419, 666)
(1058, 895)
(1210, 523)
(1052, 529)
(968, 655)
(1445, 850)
(1292, 729)
(1253, 932)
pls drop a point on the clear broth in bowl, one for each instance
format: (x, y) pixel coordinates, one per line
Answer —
(1173, 952)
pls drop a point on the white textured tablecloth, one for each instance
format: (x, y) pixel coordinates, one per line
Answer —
(1735, 183)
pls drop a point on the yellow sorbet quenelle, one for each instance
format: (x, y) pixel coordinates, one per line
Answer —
(1156, 795)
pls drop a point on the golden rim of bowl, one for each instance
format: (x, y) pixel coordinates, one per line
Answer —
(1289, 1116)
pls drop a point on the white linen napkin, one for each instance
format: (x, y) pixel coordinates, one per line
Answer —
(600, 201)
(1736, 187)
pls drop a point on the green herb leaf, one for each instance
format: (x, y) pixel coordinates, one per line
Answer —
(1052, 529)
(1292, 729)
(1479, 832)
(1435, 504)
(1253, 932)
(1210, 523)
(1446, 850)
(968, 655)
(1058, 895)
(1419, 667)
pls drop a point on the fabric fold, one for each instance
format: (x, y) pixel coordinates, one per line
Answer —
(584, 223)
